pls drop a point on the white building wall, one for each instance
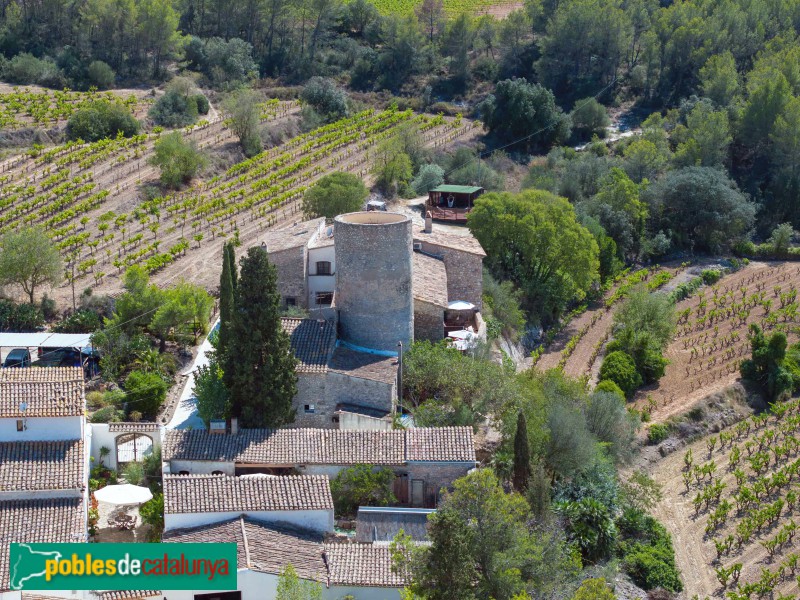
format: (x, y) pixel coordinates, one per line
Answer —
(39, 429)
(361, 593)
(102, 437)
(320, 283)
(317, 520)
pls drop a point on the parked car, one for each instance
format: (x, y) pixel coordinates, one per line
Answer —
(58, 357)
(18, 357)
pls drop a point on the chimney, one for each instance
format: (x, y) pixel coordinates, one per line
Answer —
(428, 222)
(234, 426)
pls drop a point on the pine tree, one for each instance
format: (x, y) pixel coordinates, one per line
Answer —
(522, 455)
(260, 373)
(226, 303)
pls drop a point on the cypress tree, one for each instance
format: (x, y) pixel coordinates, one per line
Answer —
(226, 303)
(231, 252)
(261, 372)
(522, 455)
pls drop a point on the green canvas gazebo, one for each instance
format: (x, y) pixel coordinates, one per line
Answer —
(452, 202)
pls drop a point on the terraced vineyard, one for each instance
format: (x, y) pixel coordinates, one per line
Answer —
(731, 504)
(576, 349)
(28, 106)
(711, 338)
(86, 195)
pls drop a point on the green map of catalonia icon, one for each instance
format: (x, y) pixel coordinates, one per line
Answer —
(27, 564)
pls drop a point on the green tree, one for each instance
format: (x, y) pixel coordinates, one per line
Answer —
(291, 587)
(594, 589)
(522, 455)
(226, 301)
(152, 513)
(326, 98)
(620, 368)
(392, 166)
(210, 391)
(361, 485)
(519, 109)
(644, 160)
(100, 75)
(534, 239)
(157, 31)
(781, 238)
(184, 312)
(702, 207)
(589, 118)
(178, 160)
(179, 106)
(244, 111)
(591, 526)
(260, 375)
(447, 568)
(719, 79)
(145, 393)
(101, 119)
(708, 138)
(429, 177)
(335, 194)
(765, 366)
(29, 259)
(618, 209)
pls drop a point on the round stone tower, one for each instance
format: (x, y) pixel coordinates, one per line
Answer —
(373, 279)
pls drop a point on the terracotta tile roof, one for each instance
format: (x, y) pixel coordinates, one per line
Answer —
(52, 520)
(223, 493)
(129, 427)
(268, 548)
(312, 343)
(439, 237)
(364, 365)
(429, 280)
(42, 398)
(362, 565)
(293, 236)
(29, 466)
(440, 444)
(42, 374)
(323, 446)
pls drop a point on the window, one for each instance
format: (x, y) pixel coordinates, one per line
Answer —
(291, 301)
(309, 408)
(20, 425)
(324, 298)
(323, 267)
(183, 472)
(217, 473)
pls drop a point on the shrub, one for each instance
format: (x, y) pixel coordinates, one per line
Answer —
(100, 120)
(711, 276)
(100, 75)
(107, 414)
(326, 98)
(609, 386)
(152, 513)
(134, 473)
(594, 589)
(335, 194)
(429, 177)
(359, 486)
(620, 368)
(78, 322)
(202, 103)
(145, 392)
(178, 107)
(652, 567)
(657, 433)
(20, 317)
(26, 68)
(178, 160)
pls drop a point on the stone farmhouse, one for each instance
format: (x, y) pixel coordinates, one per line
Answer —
(264, 549)
(43, 459)
(424, 460)
(373, 283)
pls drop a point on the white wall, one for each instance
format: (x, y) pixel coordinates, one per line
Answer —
(317, 520)
(42, 429)
(200, 467)
(320, 283)
(349, 420)
(101, 436)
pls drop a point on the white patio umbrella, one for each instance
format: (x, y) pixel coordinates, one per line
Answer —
(123, 494)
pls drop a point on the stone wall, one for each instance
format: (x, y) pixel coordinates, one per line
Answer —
(428, 321)
(291, 267)
(342, 389)
(464, 272)
(311, 391)
(436, 476)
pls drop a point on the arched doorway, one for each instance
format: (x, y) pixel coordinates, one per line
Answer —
(132, 447)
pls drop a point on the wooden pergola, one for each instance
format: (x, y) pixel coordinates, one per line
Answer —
(452, 202)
